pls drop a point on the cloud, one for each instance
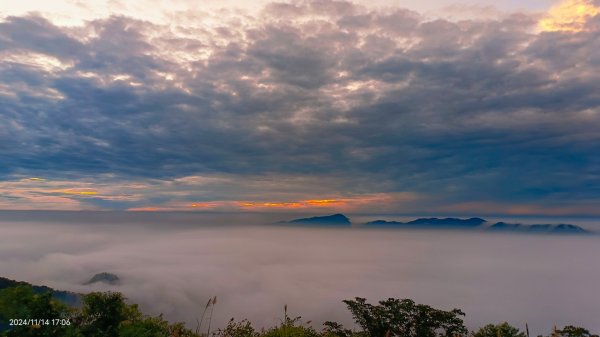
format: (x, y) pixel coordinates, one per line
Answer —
(569, 16)
(171, 263)
(386, 101)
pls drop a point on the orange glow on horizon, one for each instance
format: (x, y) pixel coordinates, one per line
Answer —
(569, 16)
(293, 204)
(75, 192)
(204, 205)
(350, 203)
(271, 204)
(323, 202)
(144, 209)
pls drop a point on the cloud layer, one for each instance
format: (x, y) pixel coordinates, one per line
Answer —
(173, 264)
(360, 102)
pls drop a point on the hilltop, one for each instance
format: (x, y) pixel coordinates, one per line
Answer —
(335, 219)
(442, 223)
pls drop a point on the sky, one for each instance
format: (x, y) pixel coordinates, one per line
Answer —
(313, 106)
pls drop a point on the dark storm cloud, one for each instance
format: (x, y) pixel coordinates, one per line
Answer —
(467, 110)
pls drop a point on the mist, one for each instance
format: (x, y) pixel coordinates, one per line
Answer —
(174, 264)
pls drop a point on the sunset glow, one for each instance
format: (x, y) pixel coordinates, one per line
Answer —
(207, 205)
(323, 202)
(285, 205)
(75, 192)
(297, 204)
(569, 16)
(35, 179)
(317, 105)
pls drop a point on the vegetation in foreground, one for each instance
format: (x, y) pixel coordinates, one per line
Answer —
(109, 315)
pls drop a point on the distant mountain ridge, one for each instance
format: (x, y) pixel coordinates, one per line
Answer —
(431, 222)
(67, 297)
(335, 219)
(538, 228)
(469, 223)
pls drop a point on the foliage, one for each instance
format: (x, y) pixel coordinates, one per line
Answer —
(109, 315)
(15, 301)
(334, 329)
(291, 327)
(22, 302)
(573, 331)
(147, 326)
(394, 317)
(503, 330)
(102, 315)
(238, 329)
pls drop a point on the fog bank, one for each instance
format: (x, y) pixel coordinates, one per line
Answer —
(174, 267)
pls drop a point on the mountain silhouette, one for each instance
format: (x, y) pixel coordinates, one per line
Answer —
(429, 222)
(335, 219)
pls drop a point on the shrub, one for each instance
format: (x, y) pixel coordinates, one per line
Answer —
(499, 330)
(394, 317)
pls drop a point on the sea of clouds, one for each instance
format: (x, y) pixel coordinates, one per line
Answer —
(174, 264)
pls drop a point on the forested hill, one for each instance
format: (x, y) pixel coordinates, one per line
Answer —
(66, 297)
